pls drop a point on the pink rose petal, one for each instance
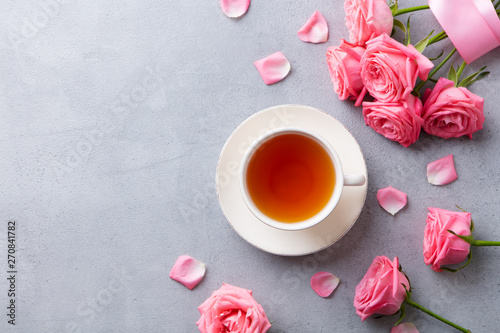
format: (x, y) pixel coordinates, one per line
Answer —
(188, 271)
(273, 68)
(234, 8)
(404, 328)
(442, 171)
(315, 30)
(391, 200)
(324, 283)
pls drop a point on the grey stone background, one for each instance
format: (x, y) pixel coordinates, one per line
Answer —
(113, 115)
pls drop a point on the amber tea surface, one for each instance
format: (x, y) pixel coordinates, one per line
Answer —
(290, 178)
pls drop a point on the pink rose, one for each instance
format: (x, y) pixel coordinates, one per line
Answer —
(451, 112)
(397, 121)
(381, 290)
(389, 69)
(345, 70)
(366, 19)
(442, 247)
(232, 309)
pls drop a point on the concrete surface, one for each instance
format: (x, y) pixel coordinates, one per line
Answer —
(113, 114)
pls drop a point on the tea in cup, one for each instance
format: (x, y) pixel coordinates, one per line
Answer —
(292, 179)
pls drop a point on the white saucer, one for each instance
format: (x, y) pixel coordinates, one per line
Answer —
(257, 233)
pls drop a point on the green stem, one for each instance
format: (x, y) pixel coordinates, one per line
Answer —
(460, 70)
(484, 243)
(421, 308)
(411, 9)
(438, 67)
(440, 36)
(497, 4)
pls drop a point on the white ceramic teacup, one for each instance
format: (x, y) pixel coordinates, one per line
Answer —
(341, 180)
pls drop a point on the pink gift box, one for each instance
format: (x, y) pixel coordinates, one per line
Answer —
(473, 26)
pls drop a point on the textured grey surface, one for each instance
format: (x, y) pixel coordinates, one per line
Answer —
(113, 115)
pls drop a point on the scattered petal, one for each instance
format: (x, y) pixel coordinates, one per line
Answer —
(404, 328)
(188, 271)
(391, 200)
(315, 30)
(324, 283)
(234, 8)
(442, 171)
(273, 68)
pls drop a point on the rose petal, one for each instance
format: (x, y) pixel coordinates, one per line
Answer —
(324, 283)
(234, 8)
(404, 328)
(391, 200)
(188, 271)
(315, 30)
(442, 171)
(273, 68)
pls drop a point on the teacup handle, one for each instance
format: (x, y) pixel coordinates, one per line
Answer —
(354, 180)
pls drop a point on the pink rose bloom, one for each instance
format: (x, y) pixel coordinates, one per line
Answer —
(345, 70)
(450, 112)
(390, 69)
(366, 19)
(381, 290)
(442, 247)
(397, 121)
(232, 309)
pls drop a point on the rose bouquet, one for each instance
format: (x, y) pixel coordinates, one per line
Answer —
(374, 63)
